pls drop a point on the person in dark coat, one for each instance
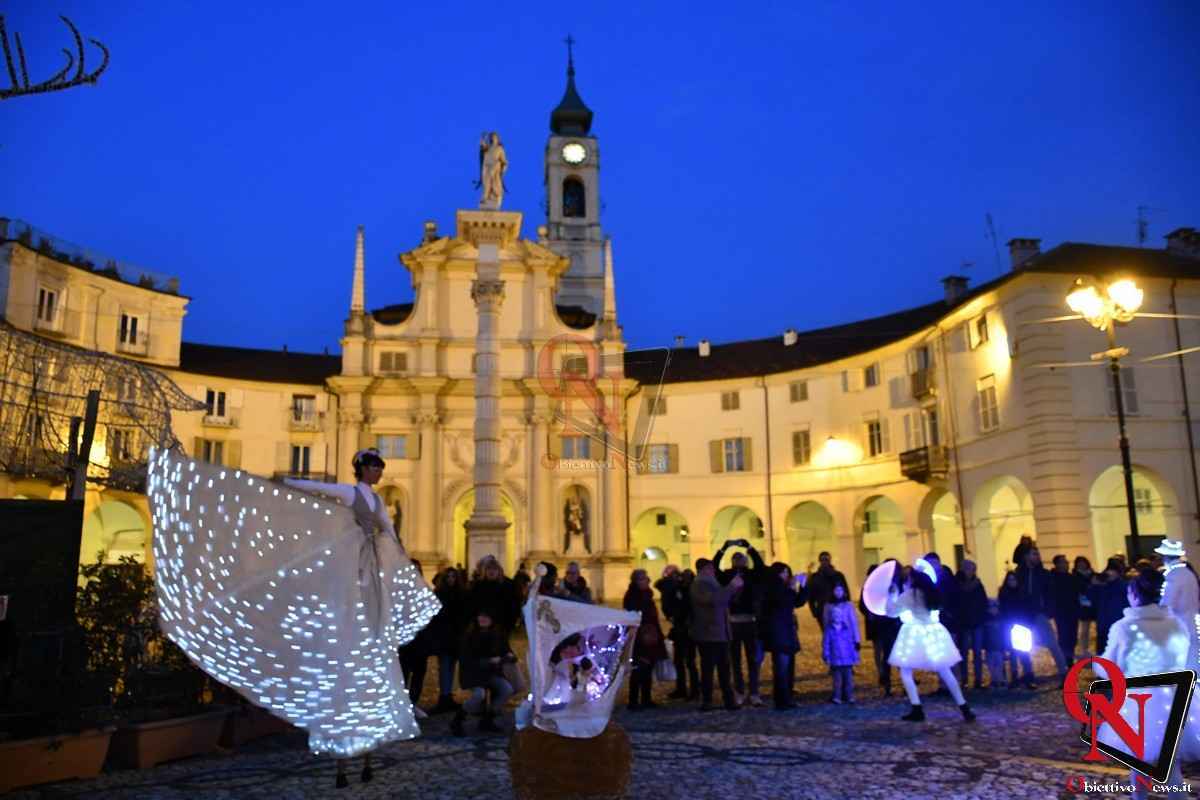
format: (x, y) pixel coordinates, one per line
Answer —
(1015, 609)
(496, 594)
(575, 586)
(1108, 595)
(881, 632)
(482, 655)
(414, 661)
(743, 618)
(1064, 605)
(677, 607)
(820, 587)
(972, 618)
(1020, 550)
(446, 630)
(649, 647)
(1084, 575)
(782, 594)
(1034, 582)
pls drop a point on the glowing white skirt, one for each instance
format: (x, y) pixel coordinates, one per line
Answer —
(923, 643)
(258, 583)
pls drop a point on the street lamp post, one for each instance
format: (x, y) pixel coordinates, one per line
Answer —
(1123, 300)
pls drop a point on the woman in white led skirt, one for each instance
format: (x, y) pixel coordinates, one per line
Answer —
(296, 602)
(923, 642)
(381, 560)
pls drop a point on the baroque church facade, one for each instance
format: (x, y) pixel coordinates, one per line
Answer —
(938, 427)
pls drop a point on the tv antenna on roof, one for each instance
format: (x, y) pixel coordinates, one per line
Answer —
(991, 234)
(1143, 223)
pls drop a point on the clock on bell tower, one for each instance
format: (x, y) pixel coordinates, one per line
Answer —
(573, 198)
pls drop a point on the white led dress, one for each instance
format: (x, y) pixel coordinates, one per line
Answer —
(923, 642)
(295, 601)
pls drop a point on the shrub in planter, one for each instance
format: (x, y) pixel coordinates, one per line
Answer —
(163, 703)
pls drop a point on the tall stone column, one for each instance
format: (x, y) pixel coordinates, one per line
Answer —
(541, 494)
(350, 422)
(486, 527)
(425, 498)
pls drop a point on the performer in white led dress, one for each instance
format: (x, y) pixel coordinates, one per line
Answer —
(296, 602)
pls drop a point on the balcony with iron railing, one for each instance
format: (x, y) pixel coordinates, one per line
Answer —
(226, 420)
(923, 384)
(306, 420)
(922, 464)
(65, 324)
(140, 346)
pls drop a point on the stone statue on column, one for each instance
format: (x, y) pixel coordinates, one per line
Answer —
(493, 163)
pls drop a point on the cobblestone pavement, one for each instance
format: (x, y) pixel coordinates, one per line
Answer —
(1023, 746)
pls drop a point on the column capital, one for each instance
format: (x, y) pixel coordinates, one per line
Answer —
(349, 416)
(427, 418)
(487, 294)
(543, 418)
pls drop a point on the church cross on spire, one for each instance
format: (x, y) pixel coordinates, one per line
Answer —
(570, 40)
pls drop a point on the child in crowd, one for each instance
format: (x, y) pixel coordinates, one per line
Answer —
(996, 643)
(841, 641)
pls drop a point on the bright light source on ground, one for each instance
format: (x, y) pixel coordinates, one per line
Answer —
(1022, 638)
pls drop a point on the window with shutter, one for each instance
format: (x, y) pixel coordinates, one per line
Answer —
(989, 410)
(1128, 391)
(801, 447)
(730, 401)
(733, 455)
(716, 455)
(658, 406)
(300, 459)
(871, 375)
(576, 447)
(798, 391)
(392, 445)
(575, 366)
(658, 459)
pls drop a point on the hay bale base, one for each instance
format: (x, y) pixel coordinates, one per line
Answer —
(549, 767)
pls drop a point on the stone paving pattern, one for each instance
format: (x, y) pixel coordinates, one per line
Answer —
(1023, 746)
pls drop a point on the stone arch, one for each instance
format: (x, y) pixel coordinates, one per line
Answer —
(1157, 510)
(1002, 512)
(114, 529)
(663, 529)
(940, 519)
(879, 531)
(808, 527)
(574, 198)
(737, 522)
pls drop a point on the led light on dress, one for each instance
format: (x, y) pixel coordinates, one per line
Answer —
(295, 601)
(923, 642)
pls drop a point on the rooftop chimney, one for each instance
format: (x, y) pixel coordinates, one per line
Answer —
(955, 286)
(790, 337)
(430, 231)
(705, 348)
(1021, 250)
(679, 340)
(1184, 242)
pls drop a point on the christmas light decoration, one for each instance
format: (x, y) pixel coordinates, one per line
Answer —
(260, 585)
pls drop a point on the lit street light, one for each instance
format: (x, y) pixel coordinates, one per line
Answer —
(1118, 305)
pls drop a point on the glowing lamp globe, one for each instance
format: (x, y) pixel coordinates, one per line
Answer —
(1085, 301)
(1022, 639)
(1127, 298)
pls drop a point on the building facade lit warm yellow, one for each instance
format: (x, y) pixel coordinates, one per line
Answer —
(933, 428)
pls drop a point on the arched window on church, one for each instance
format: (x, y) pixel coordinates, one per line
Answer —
(574, 202)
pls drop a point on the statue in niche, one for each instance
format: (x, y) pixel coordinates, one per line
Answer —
(493, 163)
(575, 522)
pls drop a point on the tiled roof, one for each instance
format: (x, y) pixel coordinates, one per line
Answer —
(244, 363)
(767, 356)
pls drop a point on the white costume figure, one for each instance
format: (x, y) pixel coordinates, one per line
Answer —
(923, 642)
(571, 698)
(1181, 596)
(1148, 639)
(296, 602)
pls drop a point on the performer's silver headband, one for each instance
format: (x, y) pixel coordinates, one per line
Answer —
(358, 457)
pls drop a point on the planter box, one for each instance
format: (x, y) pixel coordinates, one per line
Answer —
(249, 723)
(28, 762)
(146, 744)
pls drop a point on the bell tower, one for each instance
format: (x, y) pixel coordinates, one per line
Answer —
(573, 198)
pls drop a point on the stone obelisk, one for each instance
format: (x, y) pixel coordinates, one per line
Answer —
(489, 230)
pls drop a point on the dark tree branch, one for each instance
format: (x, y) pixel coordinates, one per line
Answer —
(58, 81)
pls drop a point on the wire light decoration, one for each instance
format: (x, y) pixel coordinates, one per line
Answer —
(45, 383)
(59, 80)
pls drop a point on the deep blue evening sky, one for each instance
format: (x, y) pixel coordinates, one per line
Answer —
(765, 166)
